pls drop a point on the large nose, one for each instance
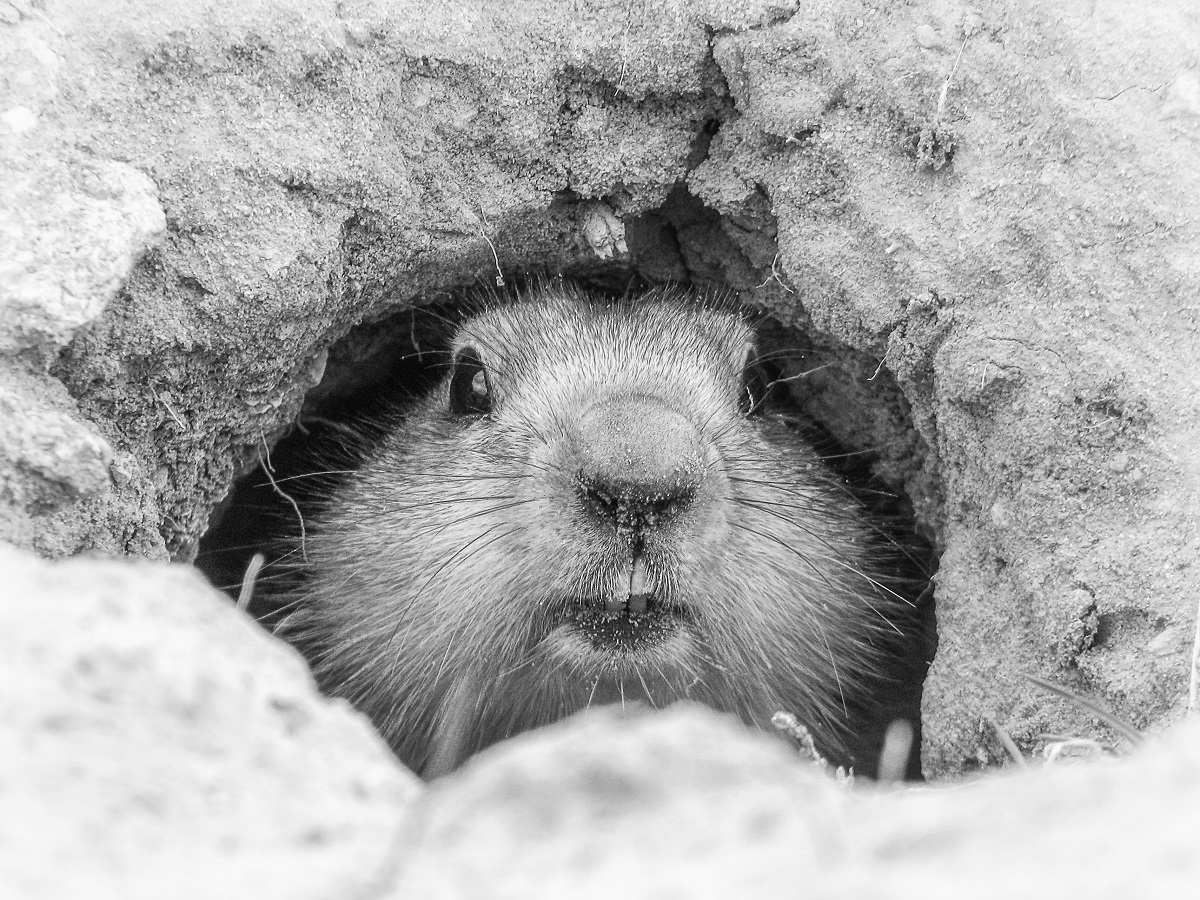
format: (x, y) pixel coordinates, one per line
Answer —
(640, 463)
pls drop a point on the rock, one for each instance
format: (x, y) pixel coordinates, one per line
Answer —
(684, 803)
(157, 743)
(927, 37)
(47, 458)
(604, 232)
(71, 232)
(688, 804)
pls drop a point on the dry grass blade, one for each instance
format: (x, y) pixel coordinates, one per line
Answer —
(249, 580)
(1010, 746)
(1066, 746)
(1067, 739)
(1130, 733)
(893, 758)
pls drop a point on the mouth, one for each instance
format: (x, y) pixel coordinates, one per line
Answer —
(625, 626)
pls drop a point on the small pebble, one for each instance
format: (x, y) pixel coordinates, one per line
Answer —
(1182, 97)
(1118, 463)
(1166, 642)
(358, 33)
(119, 476)
(927, 37)
(19, 119)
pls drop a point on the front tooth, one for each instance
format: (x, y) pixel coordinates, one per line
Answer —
(637, 577)
(638, 594)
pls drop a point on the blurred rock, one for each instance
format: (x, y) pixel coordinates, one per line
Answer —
(688, 804)
(157, 743)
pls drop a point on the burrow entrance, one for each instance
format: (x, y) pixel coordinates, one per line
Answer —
(854, 411)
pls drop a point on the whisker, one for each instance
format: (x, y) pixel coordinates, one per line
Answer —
(825, 577)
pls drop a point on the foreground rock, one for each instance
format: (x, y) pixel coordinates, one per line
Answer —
(981, 219)
(156, 743)
(685, 804)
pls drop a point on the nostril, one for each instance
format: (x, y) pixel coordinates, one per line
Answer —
(632, 504)
(596, 497)
(672, 502)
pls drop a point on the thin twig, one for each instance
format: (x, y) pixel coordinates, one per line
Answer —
(941, 107)
(264, 461)
(798, 376)
(174, 415)
(492, 247)
(775, 276)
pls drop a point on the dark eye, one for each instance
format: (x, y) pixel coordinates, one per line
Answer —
(470, 388)
(756, 388)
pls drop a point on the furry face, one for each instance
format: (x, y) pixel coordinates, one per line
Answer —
(593, 507)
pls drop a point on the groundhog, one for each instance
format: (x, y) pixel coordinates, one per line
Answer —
(597, 505)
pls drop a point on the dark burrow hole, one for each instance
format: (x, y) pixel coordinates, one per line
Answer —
(841, 401)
